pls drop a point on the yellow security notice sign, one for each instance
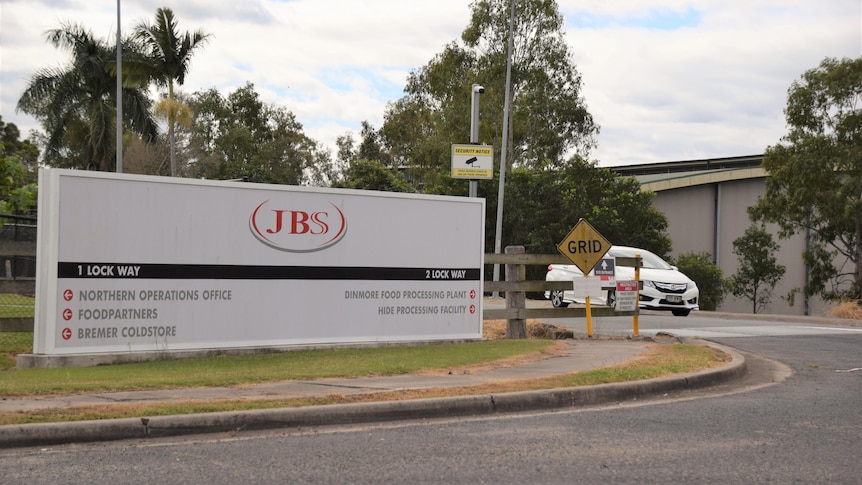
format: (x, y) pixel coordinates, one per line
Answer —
(584, 246)
(473, 161)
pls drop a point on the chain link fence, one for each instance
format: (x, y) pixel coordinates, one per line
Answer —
(16, 326)
(17, 285)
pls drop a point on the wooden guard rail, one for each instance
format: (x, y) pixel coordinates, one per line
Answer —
(515, 286)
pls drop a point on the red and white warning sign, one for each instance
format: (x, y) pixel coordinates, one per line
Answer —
(627, 296)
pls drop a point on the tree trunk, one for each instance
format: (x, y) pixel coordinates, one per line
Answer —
(173, 149)
(172, 118)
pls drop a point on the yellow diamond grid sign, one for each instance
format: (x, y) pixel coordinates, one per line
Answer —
(584, 246)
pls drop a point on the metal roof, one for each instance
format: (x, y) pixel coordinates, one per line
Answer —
(687, 173)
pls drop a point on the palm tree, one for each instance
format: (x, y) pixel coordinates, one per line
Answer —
(170, 53)
(76, 103)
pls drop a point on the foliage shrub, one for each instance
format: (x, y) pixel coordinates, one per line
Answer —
(708, 276)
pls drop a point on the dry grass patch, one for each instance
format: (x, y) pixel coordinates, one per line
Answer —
(849, 309)
(660, 361)
(496, 329)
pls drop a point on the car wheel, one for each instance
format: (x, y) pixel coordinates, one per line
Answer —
(681, 313)
(557, 299)
(612, 298)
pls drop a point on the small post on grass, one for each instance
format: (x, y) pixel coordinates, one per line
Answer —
(637, 294)
(516, 328)
(589, 315)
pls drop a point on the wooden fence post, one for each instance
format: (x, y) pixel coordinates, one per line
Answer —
(516, 328)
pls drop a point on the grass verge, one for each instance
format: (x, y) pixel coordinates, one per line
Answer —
(661, 360)
(230, 370)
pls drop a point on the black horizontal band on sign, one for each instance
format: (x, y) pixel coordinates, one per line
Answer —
(239, 272)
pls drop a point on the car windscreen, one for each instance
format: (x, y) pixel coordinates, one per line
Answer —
(650, 260)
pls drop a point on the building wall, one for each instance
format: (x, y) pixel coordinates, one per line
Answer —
(689, 212)
(692, 215)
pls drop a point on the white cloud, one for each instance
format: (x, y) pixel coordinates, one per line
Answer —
(666, 79)
(713, 90)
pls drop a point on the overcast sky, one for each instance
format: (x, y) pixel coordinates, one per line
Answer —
(666, 80)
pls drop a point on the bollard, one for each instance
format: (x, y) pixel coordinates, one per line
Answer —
(516, 328)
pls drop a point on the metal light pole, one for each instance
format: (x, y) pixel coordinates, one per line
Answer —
(474, 130)
(498, 237)
(119, 94)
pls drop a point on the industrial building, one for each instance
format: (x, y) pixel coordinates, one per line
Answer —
(706, 204)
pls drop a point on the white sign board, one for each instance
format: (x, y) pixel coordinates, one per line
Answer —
(626, 296)
(139, 263)
(587, 286)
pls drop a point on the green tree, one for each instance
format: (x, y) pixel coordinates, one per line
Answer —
(240, 136)
(543, 204)
(170, 53)
(76, 103)
(547, 203)
(25, 151)
(815, 182)
(373, 175)
(549, 117)
(16, 200)
(707, 275)
(140, 157)
(18, 157)
(371, 147)
(552, 117)
(346, 152)
(758, 271)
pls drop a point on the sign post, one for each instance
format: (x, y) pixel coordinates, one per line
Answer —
(584, 247)
(637, 295)
(466, 161)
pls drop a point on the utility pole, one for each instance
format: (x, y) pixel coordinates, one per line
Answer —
(498, 235)
(119, 94)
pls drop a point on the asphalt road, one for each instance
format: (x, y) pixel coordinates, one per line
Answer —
(711, 326)
(799, 423)
(708, 325)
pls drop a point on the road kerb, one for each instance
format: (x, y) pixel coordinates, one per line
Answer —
(44, 434)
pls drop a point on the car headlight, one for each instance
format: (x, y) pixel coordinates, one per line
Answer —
(650, 284)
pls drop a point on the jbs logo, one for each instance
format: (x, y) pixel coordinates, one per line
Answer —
(298, 230)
